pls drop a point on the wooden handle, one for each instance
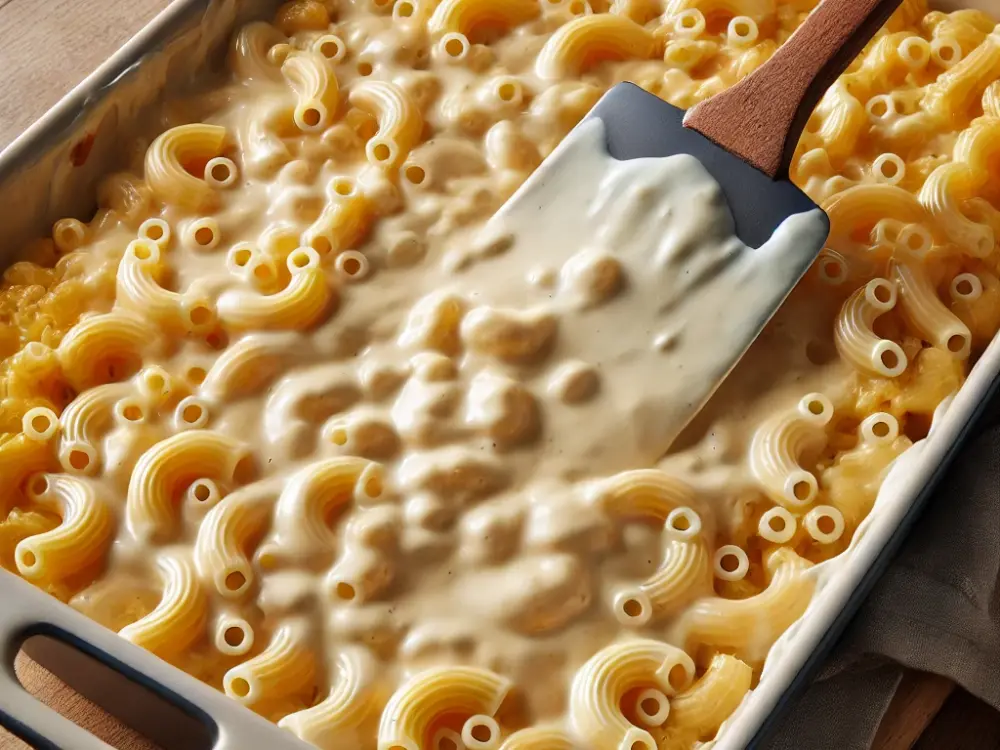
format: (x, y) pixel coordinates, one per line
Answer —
(761, 118)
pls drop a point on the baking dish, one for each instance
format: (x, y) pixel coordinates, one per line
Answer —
(52, 169)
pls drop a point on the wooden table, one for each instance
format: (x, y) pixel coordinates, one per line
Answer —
(46, 47)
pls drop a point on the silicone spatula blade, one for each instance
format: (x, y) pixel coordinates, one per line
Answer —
(746, 136)
(744, 139)
(639, 125)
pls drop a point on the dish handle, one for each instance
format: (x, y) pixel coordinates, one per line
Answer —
(26, 611)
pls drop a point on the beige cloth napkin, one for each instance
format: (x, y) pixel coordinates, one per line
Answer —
(936, 609)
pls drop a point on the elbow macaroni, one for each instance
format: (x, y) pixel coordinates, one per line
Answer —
(855, 335)
(18, 525)
(139, 287)
(285, 668)
(170, 157)
(21, 456)
(735, 625)
(104, 348)
(172, 373)
(408, 718)
(300, 305)
(697, 713)
(316, 89)
(927, 314)
(466, 16)
(248, 54)
(338, 720)
(581, 43)
(851, 484)
(963, 85)
(780, 445)
(162, 471)
(601, 684)
(221, 550)
(683, 575)
(247, 365)
(181, 616)
(644, 494)
(342, 224)
(400, 123)
(78, 543)
(311, 496)
(84, 422)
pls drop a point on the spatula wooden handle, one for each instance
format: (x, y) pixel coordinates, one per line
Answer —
(761, 118)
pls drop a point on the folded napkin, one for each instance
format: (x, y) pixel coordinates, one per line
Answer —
(936, 609)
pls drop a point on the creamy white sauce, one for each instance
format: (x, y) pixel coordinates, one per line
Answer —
(518, 577)
(631, 298)
(652, 289)
(625, 298)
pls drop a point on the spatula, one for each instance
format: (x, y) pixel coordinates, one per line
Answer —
(693, 297)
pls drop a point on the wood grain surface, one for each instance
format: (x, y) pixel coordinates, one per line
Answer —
(54, 692)
(47, 47)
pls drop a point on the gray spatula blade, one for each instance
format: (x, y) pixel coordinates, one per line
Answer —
(698, 287)
(639, 124)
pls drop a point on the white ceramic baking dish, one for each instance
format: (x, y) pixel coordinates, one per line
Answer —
(40, 183)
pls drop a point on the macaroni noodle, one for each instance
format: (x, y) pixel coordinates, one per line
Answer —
(301, 410)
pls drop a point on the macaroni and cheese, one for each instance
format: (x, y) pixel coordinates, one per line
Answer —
(251, 419)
